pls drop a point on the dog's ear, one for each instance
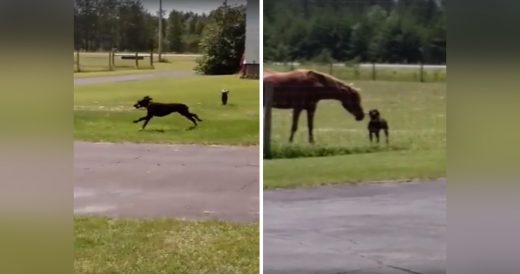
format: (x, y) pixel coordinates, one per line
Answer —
(148, 98)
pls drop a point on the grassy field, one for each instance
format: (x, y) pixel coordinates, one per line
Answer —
(416, 113)
(104, 112)
(105, 245)
(96, 64)
(386, 74)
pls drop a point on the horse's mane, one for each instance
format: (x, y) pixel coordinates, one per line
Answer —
(325, 79)
(329, 80)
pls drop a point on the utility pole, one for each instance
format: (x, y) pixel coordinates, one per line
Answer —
(160, 38)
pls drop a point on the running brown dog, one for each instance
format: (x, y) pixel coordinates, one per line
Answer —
(162, 109)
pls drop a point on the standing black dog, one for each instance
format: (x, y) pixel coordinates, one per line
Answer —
(376, 124)
(224, 96)
(161, 109)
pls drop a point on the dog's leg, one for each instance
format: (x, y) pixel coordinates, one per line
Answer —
(377, 136)
(189, 117)
(147, 119)
(140, 119)
(195, 116)
(370, 134)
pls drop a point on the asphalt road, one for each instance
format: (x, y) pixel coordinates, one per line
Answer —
(166, 181)
(368, 228)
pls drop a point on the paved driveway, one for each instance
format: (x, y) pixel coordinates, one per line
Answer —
(173, 181)
(369, 228)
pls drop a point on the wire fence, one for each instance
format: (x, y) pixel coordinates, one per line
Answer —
(371, 71)
(110, 61)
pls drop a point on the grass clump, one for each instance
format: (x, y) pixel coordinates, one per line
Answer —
(105, 245)
(301, 151)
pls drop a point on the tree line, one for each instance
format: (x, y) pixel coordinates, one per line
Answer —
(393, 31)
(125, 25)
(101, 25)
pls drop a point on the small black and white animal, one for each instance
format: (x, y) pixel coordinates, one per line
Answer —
(224, 95)
(163, 109)
(377, 124)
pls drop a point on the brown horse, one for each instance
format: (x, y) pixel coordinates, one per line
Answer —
(303, 89)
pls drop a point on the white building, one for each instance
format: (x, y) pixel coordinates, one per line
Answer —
(251, 62)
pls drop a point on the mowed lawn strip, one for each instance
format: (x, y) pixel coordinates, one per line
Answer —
(104, 245)
(104, 112)
(355, 168)
(416, 113)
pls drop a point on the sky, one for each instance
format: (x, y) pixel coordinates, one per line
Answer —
(197, 6)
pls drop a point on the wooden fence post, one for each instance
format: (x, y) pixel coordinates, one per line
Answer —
(421, 69)
(151, 58)
(268, 104)
(137, 60)
(373, 71)
(113, 58)
(110, 60)
(421, 73)
(78, 68)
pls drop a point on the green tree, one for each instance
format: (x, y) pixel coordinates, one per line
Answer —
(381, 30)
(223, 41)
(176, 31)
(325, 57)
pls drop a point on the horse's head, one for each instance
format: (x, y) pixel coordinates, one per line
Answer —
(351, 101)
(347, 94)
(143, 103)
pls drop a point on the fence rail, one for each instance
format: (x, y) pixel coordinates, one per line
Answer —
(109, 61)
(375, 71)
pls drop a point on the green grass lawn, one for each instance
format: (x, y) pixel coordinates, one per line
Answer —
(105, 112)
(104, 245)
(416, 113)
(386, 74)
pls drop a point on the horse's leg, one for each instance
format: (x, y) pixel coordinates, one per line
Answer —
(295, 118)
(310, 123)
